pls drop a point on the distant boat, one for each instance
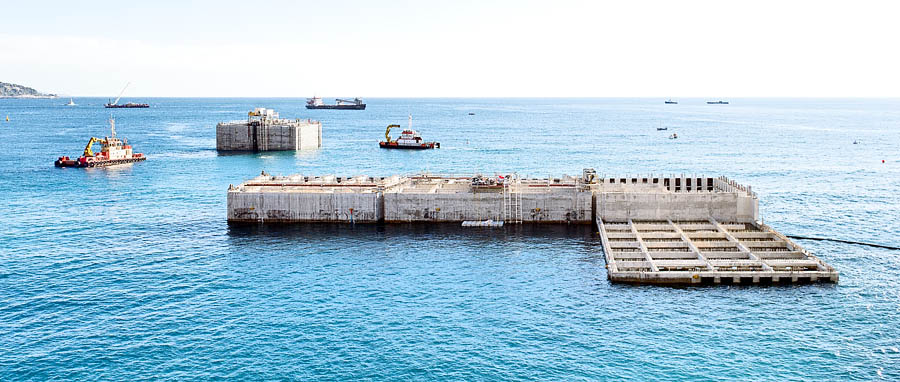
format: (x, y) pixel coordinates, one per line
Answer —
(71, 102)
(717, 102)
(662, 128)
(342, 104)
(670, 102)
(673, 136)
(130, 105)
(471, 113)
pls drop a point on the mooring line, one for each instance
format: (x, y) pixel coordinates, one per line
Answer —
(843, 241)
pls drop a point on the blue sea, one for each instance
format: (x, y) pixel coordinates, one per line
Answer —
(132, 272)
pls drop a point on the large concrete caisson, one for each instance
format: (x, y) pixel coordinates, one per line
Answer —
(457, 199)
(420, 198)
(299, 198)
(428, 198)
(659, 230)
(265, 131)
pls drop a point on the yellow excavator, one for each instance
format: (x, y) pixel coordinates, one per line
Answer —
(387, 133)
(87, 149)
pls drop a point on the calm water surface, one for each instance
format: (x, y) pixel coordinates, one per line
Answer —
(132, 273)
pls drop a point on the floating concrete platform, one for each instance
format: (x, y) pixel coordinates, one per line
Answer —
(264, 130)
(706, 252)
(656, 230)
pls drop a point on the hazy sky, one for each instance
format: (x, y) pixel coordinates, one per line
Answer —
(453, 48)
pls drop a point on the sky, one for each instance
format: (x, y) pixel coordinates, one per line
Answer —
(453, 48)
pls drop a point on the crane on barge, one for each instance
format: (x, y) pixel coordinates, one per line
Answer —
(130, 105)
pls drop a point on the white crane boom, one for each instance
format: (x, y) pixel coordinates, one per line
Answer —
(120, 94)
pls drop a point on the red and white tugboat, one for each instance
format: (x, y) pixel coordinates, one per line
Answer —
(409, 139)
(114, 151)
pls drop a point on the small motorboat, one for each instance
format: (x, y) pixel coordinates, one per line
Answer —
(673, 136)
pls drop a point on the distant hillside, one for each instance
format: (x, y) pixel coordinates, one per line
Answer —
(19, 91)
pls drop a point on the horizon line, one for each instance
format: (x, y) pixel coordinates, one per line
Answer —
(495, 97)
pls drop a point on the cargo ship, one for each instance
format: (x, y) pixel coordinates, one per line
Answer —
(342, 104)
(113, 151)
(409, 139)
(717, 102)
(130, 105)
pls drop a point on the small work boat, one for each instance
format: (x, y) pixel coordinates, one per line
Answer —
(114, 151)
(409, 139)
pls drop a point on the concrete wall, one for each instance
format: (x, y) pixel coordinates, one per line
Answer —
(309, 137)
(558, 207)
(541, 205)
(725, 207)
(243, 137)
(410, 207)
(561, 207)
(233, 137)
(304, 207)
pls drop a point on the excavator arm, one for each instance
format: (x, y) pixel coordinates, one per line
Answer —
(87, 149)
(387, 133)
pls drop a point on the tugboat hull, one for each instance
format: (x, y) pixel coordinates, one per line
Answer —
(422, 146)
(66, 162)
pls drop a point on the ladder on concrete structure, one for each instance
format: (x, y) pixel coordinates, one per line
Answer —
(512, 200)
